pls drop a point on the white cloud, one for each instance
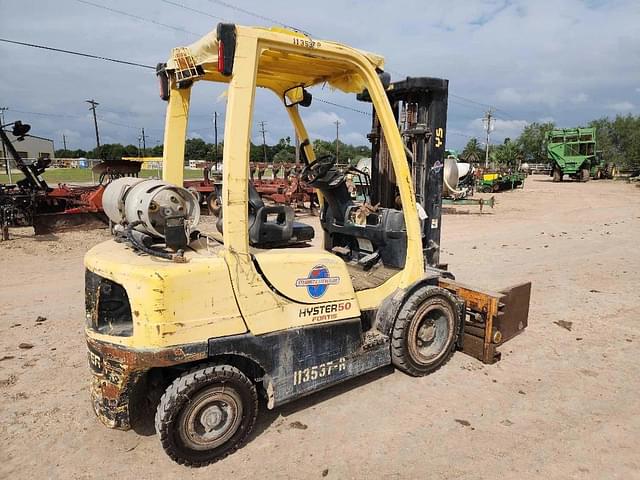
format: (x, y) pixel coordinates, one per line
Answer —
(321, 119)
(516, 56)
(354, 138)
(624, 106)
(580, 98)
(501, 128)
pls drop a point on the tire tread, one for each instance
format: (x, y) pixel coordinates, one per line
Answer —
(175, 393)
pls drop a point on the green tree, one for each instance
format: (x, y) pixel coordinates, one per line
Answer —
(619, 140)
(507, 153)
(471, 149)
(196, 149)
(532, 142)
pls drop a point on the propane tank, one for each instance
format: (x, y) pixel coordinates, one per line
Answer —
(152, 203)
(451, 176)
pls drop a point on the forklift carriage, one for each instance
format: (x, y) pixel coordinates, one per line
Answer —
(197, 325)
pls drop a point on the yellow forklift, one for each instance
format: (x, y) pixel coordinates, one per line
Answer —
(196, 326)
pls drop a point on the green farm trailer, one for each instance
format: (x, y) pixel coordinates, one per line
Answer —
(572, 151)
(500, 180)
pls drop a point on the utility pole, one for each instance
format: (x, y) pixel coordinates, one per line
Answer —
(487, 118)
(337, 122)
(4, 150)
(264, 141)
(144, 143)
(64, 142)
(215, 139)
(93, 106)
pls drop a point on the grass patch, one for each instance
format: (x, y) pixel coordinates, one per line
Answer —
(83, 175)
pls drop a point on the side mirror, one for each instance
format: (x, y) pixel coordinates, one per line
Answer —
(385, 79)
(297, 96)
(163, 81)
(20, 130)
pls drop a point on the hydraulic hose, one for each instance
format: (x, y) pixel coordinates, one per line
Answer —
(174, 257)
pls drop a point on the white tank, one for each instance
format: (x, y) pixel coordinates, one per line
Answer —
(463, 169)
(364, 165)
(127, 200)
(451, 176)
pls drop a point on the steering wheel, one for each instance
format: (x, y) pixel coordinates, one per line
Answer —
(318, 168)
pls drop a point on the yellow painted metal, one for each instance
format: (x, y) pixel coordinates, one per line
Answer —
(171, 303)
(301, 131)
(212, 294)
(287, 269)
(175, 133)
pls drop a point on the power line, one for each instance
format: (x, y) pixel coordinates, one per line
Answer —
(137, 17)
(195, 10)
(80, 54)
(485, 105)
(343, 106)
(257, 15)
(62, 115)
(475, 102)
(102, 119)
(460, 134)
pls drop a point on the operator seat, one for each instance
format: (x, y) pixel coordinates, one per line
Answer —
(272, 226)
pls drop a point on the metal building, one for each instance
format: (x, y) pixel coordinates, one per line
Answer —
(33, 147)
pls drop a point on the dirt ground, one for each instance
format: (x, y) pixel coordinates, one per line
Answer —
(562, 403)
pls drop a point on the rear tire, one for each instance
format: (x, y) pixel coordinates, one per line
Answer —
(425, 332)
(584, 175)
(206, 414)
(557, 174)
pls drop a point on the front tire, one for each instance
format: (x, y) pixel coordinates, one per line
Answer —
(425, 332)
(557, 175)
(206, 414)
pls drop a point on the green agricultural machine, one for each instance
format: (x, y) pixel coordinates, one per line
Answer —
(500, 181)
(572, 151)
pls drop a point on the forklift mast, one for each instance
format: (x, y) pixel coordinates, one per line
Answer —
(420, 108)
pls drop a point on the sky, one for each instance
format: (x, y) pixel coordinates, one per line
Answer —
(566, 61)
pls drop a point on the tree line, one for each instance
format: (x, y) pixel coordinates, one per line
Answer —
(197, 149)
(618, 139)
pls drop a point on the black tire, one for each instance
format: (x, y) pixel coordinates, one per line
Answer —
(215, 393)
(428, 312)
(213, 204)
(584, 175)
(557, 174)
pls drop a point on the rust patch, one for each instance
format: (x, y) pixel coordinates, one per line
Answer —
(121, 369)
